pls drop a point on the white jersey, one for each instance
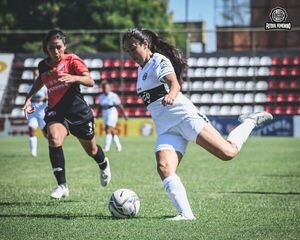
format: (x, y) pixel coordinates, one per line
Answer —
(152, 87)
(108, 104)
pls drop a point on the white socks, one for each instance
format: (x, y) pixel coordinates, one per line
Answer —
(108, 140)
(117, 142)
(240, 134)
(33, 146)
(177, 194)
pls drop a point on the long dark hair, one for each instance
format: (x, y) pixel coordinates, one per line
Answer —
(156, 44)
(55, 33)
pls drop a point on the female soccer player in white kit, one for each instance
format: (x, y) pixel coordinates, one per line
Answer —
(108, 102)
(176, 119)
(36, 118)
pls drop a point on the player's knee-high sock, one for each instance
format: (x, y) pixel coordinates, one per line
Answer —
(58, 164)
(100, 158)
(240, 134)
(117, 142)
(108, 140)
(177, 194)
(33, 145)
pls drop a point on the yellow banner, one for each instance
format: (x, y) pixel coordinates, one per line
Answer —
(132, 127)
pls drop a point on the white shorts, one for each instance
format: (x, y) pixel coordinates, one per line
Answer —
(110, 119)
(177, 137)
(36, 121)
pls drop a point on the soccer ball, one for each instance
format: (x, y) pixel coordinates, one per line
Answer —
(124, 203)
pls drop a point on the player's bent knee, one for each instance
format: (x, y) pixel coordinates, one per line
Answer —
(54, 140)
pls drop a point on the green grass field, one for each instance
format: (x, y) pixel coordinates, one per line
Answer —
(255, 196)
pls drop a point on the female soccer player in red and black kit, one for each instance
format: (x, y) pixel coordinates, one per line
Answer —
(67, 111)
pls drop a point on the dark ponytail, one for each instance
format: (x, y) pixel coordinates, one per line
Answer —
(53, 34)
(158, 45)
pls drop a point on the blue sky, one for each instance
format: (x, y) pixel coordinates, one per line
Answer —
(198, 10)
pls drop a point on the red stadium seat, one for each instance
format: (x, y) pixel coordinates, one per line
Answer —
(295, 72)
(274, 71)
(296, 60)
(105, 75)
(271, 97)
(108, 63)
(287, 61)
(285, 71)
(276, 61)
(283, 84)
(291, 97)
(125, 74)
(273, 84)
(290, 110)
(117, 63)
(279, 110)
(281, 97)
(294, 84)
(133, 74)
(115, 74)
(128, 63)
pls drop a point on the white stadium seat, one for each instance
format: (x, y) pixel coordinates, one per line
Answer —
(252, 71)
(263, 71)
(17, 112)
(260, 97)
(27, 75)
(229, 85)
(199, 72)
(197, 86)
(246, 109)
(214, 110)
(265, 61)
(250, 85)
(223, 61)
(37, 61)
(96, 63)
(242, 72)
(190, 72)
(95, 75)
(218, 84)
(20, 100)
(221, 72)
(89, 99)
(238, 98)
(240, 86)
(231, 72)
(88, 62)
(24, 88)
(225, 110)
(233, 61)
(217, 98)
(227, 98)
(196, 98)
(210, 72)
(254, 61)
(204, 109)
(185, 86)
(29, 62)
(208, 85)
(261, 85)
(244, 61)
(236, 110)
(206, 98)
(258, 108)
(249, 98)
(192, 62)
(212, 62)
(202, 62)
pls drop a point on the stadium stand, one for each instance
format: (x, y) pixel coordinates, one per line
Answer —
(222, 83)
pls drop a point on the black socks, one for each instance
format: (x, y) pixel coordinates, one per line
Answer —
(57, 159)
(100, 158)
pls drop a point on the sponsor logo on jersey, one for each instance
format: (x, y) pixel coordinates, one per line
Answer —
(145, 76)
(163, 64)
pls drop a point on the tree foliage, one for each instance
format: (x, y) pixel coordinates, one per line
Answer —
(107, 16)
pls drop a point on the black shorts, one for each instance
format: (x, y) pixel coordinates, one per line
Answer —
(84, 130)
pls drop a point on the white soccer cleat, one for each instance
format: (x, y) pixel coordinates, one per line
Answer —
(105, 149)
(105, 175)
(182, 217)
(59, 192)
(119, 148)
(259, 117)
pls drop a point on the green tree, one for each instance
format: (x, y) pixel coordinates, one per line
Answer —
(107, 16)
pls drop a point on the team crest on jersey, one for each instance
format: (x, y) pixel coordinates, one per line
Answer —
(163, 64)
(145, 76)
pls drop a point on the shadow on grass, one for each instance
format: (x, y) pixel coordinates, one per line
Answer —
(45, 203)
(262, 193)
(57, 216)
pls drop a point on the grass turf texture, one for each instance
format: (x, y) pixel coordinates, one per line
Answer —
(255, 196)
